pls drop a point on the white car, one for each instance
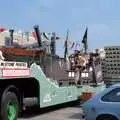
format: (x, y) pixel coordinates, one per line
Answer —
(103, 106)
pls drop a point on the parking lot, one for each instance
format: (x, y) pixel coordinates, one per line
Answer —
(55, 113)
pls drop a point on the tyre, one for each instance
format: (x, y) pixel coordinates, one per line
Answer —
(107, 117)
(9, 106)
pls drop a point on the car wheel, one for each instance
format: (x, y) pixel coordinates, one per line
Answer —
(107, 117)
(9, 106)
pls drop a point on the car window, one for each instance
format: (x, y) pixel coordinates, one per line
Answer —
(112, 96)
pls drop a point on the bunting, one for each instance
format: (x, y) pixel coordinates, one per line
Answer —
(72, 45)
(75, 45)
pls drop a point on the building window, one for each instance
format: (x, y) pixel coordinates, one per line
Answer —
(118, 53)
(114, 52)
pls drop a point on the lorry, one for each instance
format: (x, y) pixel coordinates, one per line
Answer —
(20, 81)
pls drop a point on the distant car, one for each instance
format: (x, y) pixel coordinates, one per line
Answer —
(103, 106)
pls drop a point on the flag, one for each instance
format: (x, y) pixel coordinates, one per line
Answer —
(66, 47)
(34, 36)
(2, 30)
(46, 35)
(84, 41)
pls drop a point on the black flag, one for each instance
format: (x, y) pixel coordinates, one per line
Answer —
(66, 46)
(84, 41)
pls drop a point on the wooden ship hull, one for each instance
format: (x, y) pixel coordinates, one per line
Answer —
(21, 52)
(22, 55)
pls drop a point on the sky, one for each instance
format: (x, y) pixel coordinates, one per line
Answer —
(100, 16)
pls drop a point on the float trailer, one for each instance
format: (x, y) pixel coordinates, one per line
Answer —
(19, 83)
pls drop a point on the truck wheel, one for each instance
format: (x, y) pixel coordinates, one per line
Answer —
(9, 106)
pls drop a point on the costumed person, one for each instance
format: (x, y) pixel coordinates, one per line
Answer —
(80, 61)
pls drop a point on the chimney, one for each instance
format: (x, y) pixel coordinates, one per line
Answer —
(37, 31)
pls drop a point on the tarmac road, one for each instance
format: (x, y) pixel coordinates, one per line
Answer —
(55, 113)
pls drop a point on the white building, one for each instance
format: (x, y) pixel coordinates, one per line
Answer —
(22, 39)
(18, 38)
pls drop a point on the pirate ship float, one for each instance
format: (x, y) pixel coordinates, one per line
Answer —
(54, 66)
